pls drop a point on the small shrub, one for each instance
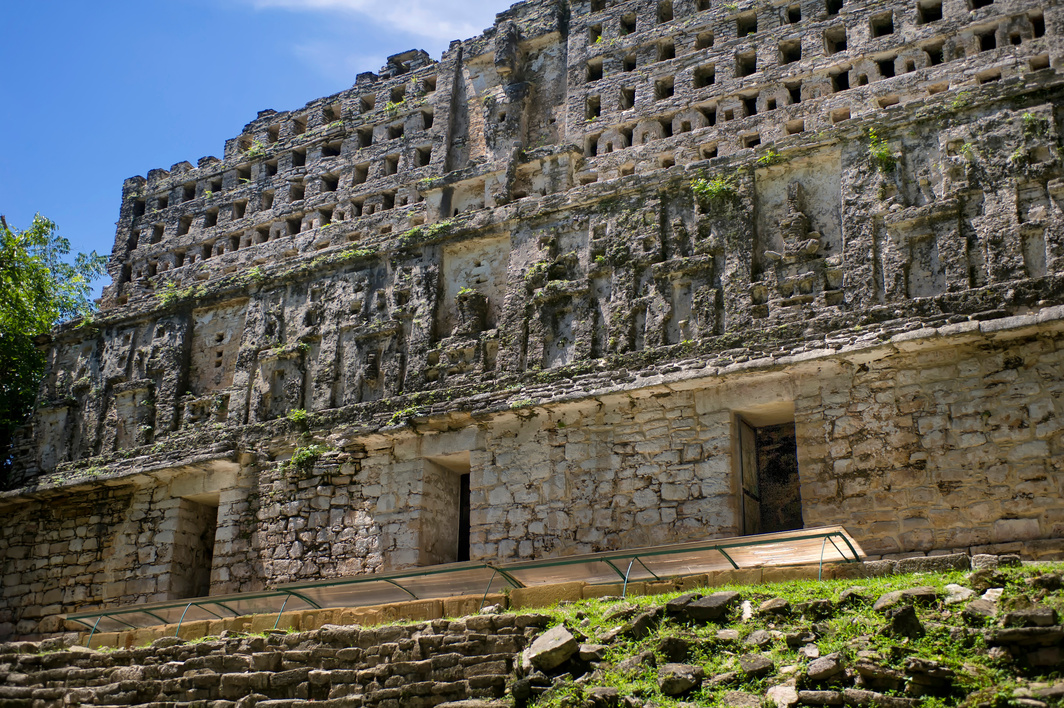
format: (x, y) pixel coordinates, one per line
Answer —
(401, 415)
(256, 149)
(882, 157)
(719, 188)
(771, 157)
(304, 457)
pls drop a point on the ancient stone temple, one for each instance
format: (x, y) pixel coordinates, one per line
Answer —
(610, 275)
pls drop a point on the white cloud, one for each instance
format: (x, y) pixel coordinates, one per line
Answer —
(441, 20)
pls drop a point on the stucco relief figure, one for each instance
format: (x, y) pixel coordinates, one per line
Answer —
(798, 237)
(798, 263)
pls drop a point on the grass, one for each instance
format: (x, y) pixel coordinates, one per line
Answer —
(849, 630)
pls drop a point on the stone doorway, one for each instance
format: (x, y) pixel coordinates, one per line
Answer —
(193, 554)
(770, 488)
(445, 511)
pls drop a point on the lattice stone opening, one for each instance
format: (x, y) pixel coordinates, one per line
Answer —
(746, 24)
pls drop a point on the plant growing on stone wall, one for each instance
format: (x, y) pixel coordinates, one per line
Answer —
(882, 157)
(423, 233)
(719, 188)
(401, 416)
(170, 294)
(961, 100)
(1034, 125)
(771, 157)
(304, 457)
(297, 416)
(256, 149)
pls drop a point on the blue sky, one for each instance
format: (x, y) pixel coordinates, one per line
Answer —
(98, 91)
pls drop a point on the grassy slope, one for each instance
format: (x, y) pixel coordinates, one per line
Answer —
(856, 627)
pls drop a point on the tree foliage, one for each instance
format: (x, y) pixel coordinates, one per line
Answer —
(39, 287)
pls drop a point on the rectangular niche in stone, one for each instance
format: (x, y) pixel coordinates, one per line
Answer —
(135, 414)
(279, 385)
(473, 286)
(216, 335)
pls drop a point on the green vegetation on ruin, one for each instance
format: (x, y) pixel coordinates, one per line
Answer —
(847, 629)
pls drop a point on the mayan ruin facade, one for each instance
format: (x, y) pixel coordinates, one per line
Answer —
(610, 275)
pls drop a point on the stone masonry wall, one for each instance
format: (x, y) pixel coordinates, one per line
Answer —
(415, 665)
(616, 470)
(935, 448)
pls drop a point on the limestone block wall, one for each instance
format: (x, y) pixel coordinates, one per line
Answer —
(943, 442)
(422, 664)
(939, 448)
(121, 544)
(59, 555)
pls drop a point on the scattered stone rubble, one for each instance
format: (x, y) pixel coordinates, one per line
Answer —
(854, 676)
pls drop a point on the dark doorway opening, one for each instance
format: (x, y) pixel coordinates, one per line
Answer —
(771, 491)
(463, 517)
(193, 553)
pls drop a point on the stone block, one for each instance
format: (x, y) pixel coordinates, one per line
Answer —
(845, 571)
(365, 616)
(691, 582)
(240, 624)
(142, 637)
(742, 576)
(608, 590)
(546, 595)
(1005, 530)
(216, 627)
(552, 648)
(788, 573)
(934, 564)
(193, 630)
(416, 610)
(463, 605)
(264, 623)
(103, 639)
(315, 619)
